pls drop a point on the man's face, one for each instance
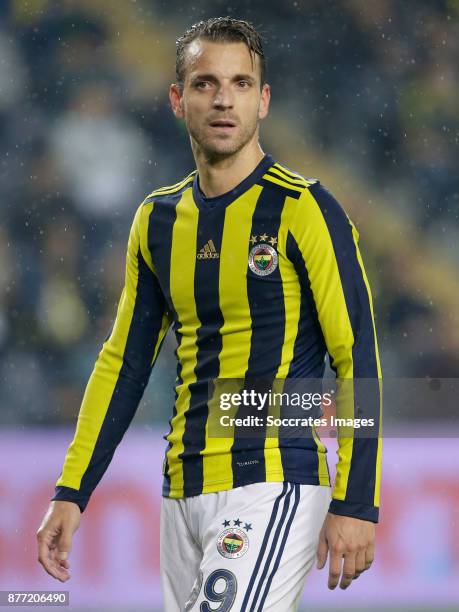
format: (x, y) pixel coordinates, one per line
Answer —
(221, 101)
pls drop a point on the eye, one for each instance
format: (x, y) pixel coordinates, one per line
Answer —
(201, 84)
(244, 84)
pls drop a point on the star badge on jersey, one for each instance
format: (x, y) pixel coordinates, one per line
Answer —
(263, 258)
(233, 542)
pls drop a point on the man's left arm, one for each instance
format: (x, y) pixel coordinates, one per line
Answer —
(328, 242)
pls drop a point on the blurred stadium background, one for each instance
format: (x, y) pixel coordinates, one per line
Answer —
(365, 97)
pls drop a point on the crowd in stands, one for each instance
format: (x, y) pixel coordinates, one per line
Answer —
(86, 132)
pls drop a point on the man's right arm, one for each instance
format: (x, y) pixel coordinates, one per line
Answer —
(112, 395)
(121, 372)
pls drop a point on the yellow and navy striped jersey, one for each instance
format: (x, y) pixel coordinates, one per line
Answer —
(262, 281)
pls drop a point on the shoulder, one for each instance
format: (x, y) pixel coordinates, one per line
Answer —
(280, 176)
(174, 189)
(317, 200)
(315, 204)
(310, 188)
(311, 193)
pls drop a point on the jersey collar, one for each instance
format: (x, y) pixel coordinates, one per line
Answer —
(226, 198)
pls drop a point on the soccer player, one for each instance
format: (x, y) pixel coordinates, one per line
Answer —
(259, 272)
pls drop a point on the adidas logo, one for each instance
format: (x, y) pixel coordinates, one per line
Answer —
(208, 251)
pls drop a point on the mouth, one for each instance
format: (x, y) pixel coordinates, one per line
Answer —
(223, 125)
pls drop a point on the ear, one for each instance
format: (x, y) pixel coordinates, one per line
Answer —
(175, 98)
(264, 101)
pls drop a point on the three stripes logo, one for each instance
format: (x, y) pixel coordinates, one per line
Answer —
(208, 251)
(272, 548)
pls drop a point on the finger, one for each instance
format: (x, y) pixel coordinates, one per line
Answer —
(348, 570)
(47, 551)
(55, 557)
(64, 545)
(359, 563)
(334, 573)
(369, 555)
(49, 564)
(53, 569)
(322, 550)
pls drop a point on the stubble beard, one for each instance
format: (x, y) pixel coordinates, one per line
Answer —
(221, 147)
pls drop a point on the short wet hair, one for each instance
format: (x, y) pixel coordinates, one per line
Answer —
(220, 29)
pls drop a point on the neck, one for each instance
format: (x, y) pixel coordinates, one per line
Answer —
(217, 176)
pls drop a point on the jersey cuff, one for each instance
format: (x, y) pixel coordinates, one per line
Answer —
(360, 511)
(72, 495)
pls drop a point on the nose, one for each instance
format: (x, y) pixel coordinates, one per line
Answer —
(223, 98)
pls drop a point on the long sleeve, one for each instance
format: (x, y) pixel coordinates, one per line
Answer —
(328, 242)
(121, 371)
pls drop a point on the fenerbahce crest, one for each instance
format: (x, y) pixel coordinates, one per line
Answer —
(263, 257)
(233, 542)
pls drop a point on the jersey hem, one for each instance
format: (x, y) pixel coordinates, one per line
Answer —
(224, 485)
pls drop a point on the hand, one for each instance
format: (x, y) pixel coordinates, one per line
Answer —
(55, 538)
(349, 538)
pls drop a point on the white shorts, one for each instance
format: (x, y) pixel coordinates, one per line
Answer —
(244, 550)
